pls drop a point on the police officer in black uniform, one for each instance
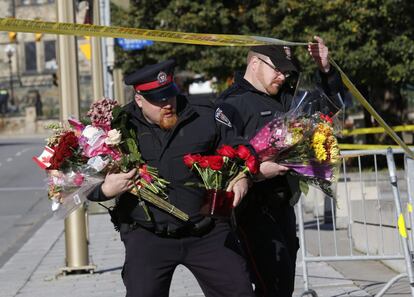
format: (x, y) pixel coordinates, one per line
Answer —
(266, 218)
(168, 126)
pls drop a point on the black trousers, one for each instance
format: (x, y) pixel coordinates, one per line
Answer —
(214, 259)
(269, 239)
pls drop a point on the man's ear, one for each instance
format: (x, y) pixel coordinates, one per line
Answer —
(254, 62)
(138, 99)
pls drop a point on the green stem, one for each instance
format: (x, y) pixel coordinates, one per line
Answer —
(201, 173)
(143, 205)
(150, 197)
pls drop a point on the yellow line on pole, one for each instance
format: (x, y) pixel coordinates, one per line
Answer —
(401, 226)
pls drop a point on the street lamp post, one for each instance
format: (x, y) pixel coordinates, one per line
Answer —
(9, 52)
(76, 232)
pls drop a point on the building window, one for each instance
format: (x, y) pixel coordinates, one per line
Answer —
(30, 56)
(50, 55)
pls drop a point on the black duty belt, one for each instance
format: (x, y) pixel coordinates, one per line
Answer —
(191, 229)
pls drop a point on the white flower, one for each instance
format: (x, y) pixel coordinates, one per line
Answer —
(114, 137)
(90, 131)
(93, 135)
(289, 139)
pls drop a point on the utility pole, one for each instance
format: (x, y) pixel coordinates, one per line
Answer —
(107, 51)
(76, 237)
(99, 85)
(97, 63)
(119, 93)
(114, 82)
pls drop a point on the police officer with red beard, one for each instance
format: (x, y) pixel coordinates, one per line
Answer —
(169, 126)
(266, 219)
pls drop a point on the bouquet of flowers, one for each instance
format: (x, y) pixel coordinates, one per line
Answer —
(219, 173)
(78, 156)
(305, 143)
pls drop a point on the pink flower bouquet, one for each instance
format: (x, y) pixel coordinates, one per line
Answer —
(306, 144)
(78, 156)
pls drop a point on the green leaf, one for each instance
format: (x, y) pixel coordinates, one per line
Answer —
(304, 187)
(132, 133)
(132, 146)
(133, 158)
(125, 163)
(116, 112)
(134, 154)
(86, 121)
(194, 184)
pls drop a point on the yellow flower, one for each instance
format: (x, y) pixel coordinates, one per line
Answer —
(325, 129)
(318, 141)
(333, 149)
(334, 154)
(296, 135)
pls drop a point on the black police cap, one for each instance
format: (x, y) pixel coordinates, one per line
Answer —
(280, 56)
(154, 82)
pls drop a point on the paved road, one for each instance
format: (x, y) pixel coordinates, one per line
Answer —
(23, 203)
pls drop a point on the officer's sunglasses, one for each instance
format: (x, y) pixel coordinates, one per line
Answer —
(287, 74)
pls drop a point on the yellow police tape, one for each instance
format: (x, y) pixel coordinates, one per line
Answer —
(355, 92)
(409, 207)
(351, 146)
(37, 26)
(401, 226)
(375, 130)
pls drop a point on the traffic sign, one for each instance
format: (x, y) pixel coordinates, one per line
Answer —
(133, 44)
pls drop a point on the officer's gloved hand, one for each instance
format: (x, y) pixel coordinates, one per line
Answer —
(269, 169)
(117, 183)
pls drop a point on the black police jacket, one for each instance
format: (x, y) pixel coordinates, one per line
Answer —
(249, 109)
(196, 132)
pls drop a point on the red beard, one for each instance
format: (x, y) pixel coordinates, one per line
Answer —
(166, 123)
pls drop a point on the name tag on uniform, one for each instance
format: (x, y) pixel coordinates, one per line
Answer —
(265, 113)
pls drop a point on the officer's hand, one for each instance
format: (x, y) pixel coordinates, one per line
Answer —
(320, 53)
(117, 183)
(269, 169)
(240, 189)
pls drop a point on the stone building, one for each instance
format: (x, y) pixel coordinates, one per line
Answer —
(33, 59)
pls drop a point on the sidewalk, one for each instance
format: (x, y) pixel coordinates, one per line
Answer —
(33, 270)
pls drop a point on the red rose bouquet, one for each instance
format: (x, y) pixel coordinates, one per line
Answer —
(78, 156)
(70, 176)
(218, 172)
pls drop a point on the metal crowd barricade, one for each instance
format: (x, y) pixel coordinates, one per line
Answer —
(368, 219)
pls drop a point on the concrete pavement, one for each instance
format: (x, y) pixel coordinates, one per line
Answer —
(34, 270)
(23, 203)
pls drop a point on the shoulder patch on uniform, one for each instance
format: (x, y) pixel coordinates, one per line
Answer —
(222, 118)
